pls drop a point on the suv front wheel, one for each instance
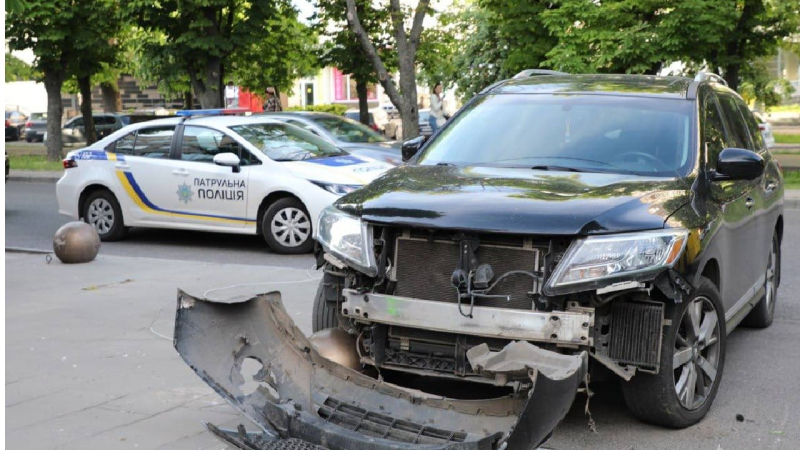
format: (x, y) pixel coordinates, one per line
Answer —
(692, 360)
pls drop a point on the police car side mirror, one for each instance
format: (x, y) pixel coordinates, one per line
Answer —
(228, 160)
(411, 147)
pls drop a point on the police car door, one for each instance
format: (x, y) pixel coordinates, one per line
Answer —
(144, 171)
(211, 195)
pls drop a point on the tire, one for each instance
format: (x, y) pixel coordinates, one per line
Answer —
(762, 314)
(653, 398)
(324, 315)
(101, 210)
(286, 226)
(27, 139)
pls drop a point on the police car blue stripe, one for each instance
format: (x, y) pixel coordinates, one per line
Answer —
(337, 161)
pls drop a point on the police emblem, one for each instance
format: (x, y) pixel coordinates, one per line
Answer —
(185, 193)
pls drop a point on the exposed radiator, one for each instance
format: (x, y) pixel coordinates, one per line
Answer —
(635, 337)
(424, 269)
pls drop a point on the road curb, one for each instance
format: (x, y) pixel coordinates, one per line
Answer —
(34, 178)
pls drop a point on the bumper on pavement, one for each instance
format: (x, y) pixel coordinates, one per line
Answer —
(253, 355)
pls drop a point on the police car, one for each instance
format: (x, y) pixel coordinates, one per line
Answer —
(231, 174)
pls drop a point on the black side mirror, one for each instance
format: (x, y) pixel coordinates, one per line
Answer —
(738, 164)
(411, 147)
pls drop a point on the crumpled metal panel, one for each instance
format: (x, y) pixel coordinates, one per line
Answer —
(290, 394)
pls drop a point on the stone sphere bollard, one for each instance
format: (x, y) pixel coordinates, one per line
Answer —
(76, 242)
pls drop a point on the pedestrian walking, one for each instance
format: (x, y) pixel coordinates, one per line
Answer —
(231, 95)
(437, 117)
(273, 103)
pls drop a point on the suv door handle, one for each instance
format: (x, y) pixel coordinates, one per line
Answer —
(749, 203)
(182, 172)
(122, 166)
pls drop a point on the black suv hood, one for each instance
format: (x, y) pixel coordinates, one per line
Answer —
(517, 201)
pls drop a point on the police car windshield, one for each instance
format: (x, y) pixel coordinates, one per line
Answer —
(346, 130)
(283, 142)
(593, 133)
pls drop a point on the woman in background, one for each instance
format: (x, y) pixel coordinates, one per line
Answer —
(437, 118)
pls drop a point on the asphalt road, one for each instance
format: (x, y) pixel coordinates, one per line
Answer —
(32, 219)
(760, 381)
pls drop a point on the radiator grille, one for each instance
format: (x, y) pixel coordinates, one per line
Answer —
(636, 334)
(378, 425)
(424, 268)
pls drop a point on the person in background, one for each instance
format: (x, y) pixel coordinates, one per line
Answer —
(273, 104)
(437, 117)
(231, 95)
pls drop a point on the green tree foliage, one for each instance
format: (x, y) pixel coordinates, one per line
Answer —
(63, 45)
(341, 48)
(211, 41)
(18, 70)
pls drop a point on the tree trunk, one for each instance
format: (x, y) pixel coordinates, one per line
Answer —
(112, 101)
(732, 76)
(207, 89)
(188, 100)
(409, 114)
(55, 110)
(85, 86)
(363, 106)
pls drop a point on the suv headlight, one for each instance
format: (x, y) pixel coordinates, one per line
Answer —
(601, 260)
(347, 238)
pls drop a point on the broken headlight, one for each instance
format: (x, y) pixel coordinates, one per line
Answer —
(601, 260)
(347, 238)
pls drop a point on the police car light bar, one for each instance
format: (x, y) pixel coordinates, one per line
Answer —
(211, 112)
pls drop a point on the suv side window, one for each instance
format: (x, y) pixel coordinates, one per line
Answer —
(737, 128)
(713, 130)
(153, 142)
(202, 144)
(752, 125)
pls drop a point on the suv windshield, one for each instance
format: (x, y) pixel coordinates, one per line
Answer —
(283, 142)
(644, 136)
(347, 130)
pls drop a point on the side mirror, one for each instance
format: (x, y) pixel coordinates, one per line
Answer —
(411, 147)
(738, 164)
(228, 160)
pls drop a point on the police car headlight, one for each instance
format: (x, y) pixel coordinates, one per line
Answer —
(338, 189)
(347, 238)
(597, 261)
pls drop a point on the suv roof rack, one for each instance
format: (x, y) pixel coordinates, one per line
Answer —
(703, 76)
(531, 72)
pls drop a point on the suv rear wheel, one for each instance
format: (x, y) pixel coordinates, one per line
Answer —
(692, 360)
(762, 313)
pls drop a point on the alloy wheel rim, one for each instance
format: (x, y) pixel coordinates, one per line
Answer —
(696, 353)
(769, 282)
(101, 215)
(291, 227)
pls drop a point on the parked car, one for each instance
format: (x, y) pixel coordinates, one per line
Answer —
(104, 124)
(623, 223)
(15, 122)
(395, 127)
(36, 127)
(349, 135)
(766, 129)
(355, 115)
(233, 174)
(424, 122)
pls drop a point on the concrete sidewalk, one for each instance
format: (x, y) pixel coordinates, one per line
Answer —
(89, 356)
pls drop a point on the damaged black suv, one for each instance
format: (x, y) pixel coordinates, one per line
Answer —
(556, 227)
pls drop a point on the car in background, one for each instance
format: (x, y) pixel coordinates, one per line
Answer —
(104, 124)
(8, 166)
(15, 122)
(394, 128)
(765, 128)
(349, 135)
(36, 127)
(355, 114)
(424, 122)
(227, 174)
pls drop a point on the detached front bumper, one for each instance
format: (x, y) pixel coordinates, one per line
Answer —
(296, 393)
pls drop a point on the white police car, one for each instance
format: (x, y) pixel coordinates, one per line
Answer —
(232, 174)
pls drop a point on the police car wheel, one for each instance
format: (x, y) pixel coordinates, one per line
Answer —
(101, 210)
(286, 226)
